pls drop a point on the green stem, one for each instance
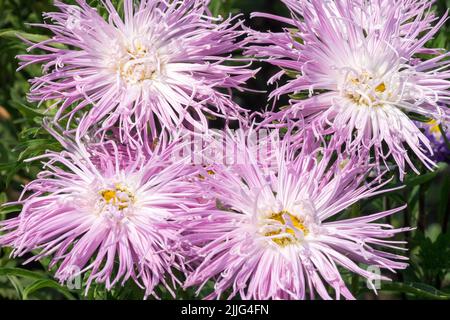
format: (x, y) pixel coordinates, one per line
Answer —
(444, 135)
(421, 219)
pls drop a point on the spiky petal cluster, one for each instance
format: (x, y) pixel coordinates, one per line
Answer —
(163, 62)
(358, 73)
(277, 233)
(107, 212)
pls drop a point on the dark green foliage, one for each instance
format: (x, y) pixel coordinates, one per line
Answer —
(22, 137)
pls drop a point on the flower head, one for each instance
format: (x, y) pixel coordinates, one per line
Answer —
(276, 233)
(359, 72)
(162, 63)
(106, 211)
(439, 139)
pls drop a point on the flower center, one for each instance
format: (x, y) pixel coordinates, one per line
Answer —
(284, 229)
(139, 64)
(365, 90)
(116, 199)
(209, 172)
(434, 129)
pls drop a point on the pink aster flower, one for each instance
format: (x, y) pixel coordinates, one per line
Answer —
(163, 62)
(357, 73)
(106, 211)
(277, 234)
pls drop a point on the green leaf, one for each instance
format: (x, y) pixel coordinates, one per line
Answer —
(20, 273)
(3, 199)
(295, 33)
(7, 291)
(291, 73)
(46, 283)
(418, 117)
(14, 34)
(16, 285)
(414, 180)
(28, 111)
(419, 290)
(35, 38)
(13, 172)
(40, 282)
(9, 209)
(215, 6)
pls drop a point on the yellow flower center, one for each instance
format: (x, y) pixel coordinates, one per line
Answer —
(119, 196)
(210, 172)
(434, 126)
(286, 228)
(140, 64)
(365, 90)
(109, 195)
(381, 88)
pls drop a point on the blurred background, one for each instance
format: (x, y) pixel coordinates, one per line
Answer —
(21, 137)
